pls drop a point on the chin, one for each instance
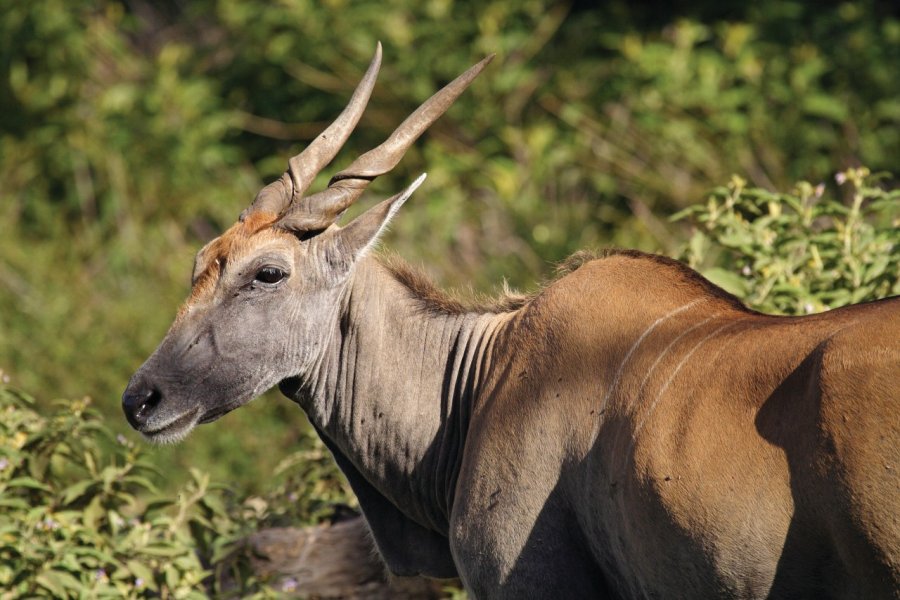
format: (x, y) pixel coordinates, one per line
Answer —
(174, 431)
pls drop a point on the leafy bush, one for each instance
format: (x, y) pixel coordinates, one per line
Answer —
(80, 514)
(305, 488)
(76, 518)
(780, 91)
(801, 252)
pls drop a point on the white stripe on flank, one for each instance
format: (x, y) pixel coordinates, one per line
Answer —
(682, 362)
(666, 351)
(665, 386)
(638, 342)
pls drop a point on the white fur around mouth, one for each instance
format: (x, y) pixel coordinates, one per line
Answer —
(175, 430)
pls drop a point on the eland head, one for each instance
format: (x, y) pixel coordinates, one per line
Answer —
(281, 268)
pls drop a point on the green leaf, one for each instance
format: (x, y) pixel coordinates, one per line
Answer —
(141, 481)
(110, 474)
(76, 490)
(140, 571)
(13, 503)
(172, 576)
(48, 583)
(58, 582)
(101, 555)
(214, 503)
(28, 482)
(820, 105)
(166, 551)
(93, 512)
(877, 268)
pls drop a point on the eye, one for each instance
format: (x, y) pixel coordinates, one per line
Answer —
(270, 275)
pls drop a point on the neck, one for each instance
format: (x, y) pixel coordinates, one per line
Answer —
(396, 388)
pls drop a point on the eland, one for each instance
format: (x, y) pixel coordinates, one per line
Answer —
(629, 431)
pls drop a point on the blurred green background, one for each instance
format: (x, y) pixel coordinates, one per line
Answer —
(133, 131)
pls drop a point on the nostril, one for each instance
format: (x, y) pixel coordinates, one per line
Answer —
(139, 403)
(150, 402)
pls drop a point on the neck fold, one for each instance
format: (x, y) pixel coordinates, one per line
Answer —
(396, 388)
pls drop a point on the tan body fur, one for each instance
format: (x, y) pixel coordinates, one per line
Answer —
(725, 454)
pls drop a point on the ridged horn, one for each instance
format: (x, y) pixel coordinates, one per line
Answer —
(303, 168)
(320, 210)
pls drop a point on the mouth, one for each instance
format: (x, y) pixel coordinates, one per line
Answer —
(175, 430)
(219, 411)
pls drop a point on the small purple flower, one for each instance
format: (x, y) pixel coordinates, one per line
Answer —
(289, 585)
(100, 574)
(138, 582)
(3, 464)
(841, 178)
(820, 189)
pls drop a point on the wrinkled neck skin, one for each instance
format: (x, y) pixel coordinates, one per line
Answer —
(394, 391)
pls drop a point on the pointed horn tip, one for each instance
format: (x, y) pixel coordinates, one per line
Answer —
(476, 69)
(376, 58)
(481, 64)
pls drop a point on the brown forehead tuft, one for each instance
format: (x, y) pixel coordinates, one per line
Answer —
(222, 248)
(237, 235)
(257, 221)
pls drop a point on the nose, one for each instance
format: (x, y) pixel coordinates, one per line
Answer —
(139, 402)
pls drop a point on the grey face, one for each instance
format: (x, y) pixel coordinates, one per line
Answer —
(263, 306)
(256, 315)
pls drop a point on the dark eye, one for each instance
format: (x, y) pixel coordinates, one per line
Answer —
(270, 275)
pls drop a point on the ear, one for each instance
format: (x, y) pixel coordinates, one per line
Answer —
(348, 244)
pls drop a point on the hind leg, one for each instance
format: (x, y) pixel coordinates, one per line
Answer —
(861, 437)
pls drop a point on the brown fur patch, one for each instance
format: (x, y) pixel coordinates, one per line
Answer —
(214, 255)
(257, 221)
(686, 273)
(575, 262)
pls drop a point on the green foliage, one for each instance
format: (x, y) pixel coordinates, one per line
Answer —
(132, 132)
(801, 252)
(775, 95)
(305, 488)
(75, 518)
(80, 515)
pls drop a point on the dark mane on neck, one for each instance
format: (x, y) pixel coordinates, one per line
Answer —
(437, 301)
